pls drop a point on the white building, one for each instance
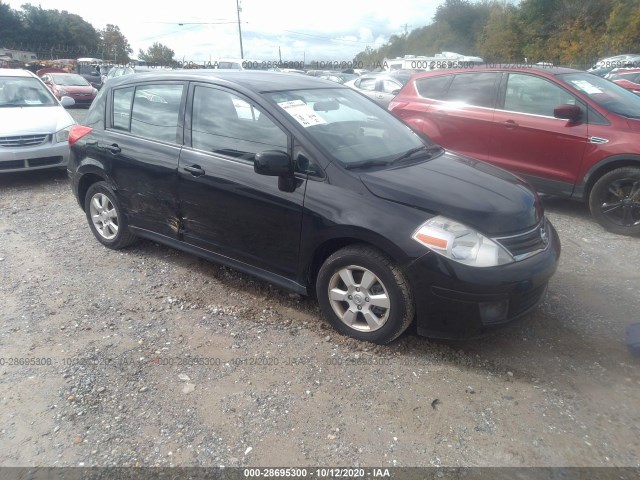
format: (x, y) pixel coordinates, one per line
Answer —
(19, 55)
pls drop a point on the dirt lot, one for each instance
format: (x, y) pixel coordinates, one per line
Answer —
(153, 357)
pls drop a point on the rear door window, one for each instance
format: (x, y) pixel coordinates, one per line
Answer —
(389, 87)
(155, 112)
(433, 87)
(367, 84)
(478, 89)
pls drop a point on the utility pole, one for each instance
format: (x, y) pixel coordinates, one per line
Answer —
(239, 28)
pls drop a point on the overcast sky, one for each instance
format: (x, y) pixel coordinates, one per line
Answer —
(333, 30)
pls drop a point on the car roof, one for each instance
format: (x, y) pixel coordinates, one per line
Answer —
(541, 70)
(256, 81)
(16, 72)
(625, 70)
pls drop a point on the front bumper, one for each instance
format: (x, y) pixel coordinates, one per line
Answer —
(455, 301)
(45, 155)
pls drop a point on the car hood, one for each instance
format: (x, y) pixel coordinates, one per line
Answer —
(470, 191)
(30, 119)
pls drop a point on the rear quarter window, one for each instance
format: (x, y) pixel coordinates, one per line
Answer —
(95, 117)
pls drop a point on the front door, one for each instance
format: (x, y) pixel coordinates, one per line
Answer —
(226, 207)
(528, 140)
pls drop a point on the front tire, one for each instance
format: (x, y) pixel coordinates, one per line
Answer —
(615, 201)
(106, 218)
(363, 294)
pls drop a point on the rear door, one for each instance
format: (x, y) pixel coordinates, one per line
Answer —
(464, 116)
(140, 149)
(528, 139)
(226, 207)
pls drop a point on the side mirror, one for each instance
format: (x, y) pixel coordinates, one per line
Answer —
(568, 112)
(67, 102)
(273, 163)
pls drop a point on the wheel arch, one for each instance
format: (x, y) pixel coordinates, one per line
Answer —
(89, 176)
(601, 168)
(325, 248)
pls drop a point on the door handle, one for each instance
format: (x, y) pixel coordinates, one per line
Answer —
(510, 124)
(113, 148)
(195, 170)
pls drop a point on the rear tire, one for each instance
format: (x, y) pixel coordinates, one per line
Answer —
(363, 294)
(105, 217)
(615, 201)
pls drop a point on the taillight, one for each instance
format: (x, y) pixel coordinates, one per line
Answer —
(77, 132)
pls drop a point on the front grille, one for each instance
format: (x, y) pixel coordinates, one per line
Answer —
(23, 140)
(524, 245)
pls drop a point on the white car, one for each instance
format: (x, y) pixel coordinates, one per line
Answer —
(34, 126)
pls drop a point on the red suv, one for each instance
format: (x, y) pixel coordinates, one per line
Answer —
(569, 133)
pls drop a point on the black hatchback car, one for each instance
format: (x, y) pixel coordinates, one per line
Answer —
(313, 187)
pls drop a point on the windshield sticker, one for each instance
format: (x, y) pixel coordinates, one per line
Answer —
(302, 113)
(586, 87)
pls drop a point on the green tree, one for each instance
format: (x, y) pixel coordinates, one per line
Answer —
(55, 34)
(157, 53)
(11, 30)
(114, 45)
(622, 31)
(501, 38)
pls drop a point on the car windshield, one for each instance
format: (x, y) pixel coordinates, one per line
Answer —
(349, 127)
(605, 93)
(24, 92)
(70, 80)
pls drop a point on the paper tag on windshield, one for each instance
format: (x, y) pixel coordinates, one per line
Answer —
(586, 87)
(302, 112)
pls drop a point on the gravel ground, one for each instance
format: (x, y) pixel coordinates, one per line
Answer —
(153, 357)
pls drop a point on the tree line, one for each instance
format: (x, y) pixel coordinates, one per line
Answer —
(53, 34)
(563, 32)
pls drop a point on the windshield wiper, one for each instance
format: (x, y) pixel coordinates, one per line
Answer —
(413, 151)
(368, 163)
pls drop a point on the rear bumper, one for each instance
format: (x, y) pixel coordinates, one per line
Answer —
(454, 301)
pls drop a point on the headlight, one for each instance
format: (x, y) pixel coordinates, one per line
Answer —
(62, 91)
(94, 91)
(460, 243)
(63, 135)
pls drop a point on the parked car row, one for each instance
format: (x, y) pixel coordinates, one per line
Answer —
(309, 185)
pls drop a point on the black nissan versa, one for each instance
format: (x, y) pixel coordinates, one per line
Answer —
(313, 187)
